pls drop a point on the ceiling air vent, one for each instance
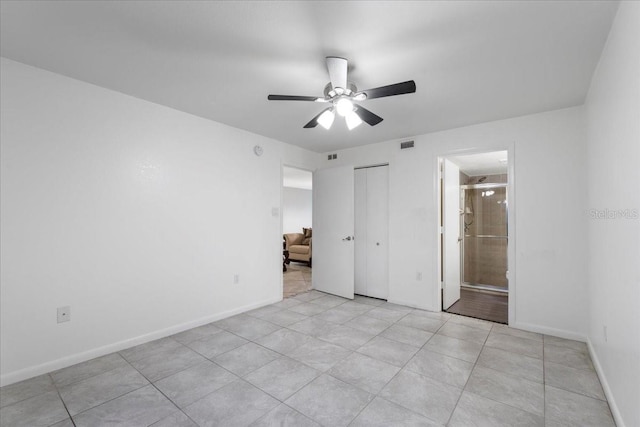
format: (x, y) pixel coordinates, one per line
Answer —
(407, 144)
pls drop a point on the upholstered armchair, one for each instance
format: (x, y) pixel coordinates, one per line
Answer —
(299, 247)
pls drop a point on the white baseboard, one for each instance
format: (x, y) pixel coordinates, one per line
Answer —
(411, 304)
(561, 333)
(63, 362)
(617, 417)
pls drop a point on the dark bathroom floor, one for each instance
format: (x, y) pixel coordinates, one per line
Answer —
(481, 305)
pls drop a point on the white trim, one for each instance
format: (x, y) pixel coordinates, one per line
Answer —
(411, 304)
(511, 232)
(615, 412)
(560, 333)
(26, 373)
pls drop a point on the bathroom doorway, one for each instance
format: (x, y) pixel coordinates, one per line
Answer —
(479, 233)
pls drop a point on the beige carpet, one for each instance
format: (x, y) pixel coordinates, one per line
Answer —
(297, 279)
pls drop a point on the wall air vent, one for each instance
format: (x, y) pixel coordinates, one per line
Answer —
(332, 156)
(407, 144)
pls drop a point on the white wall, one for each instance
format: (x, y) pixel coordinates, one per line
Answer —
(613, 112)
(296, 209)
(550, 225)
(136, 215)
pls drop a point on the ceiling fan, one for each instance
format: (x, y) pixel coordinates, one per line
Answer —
(342, 94)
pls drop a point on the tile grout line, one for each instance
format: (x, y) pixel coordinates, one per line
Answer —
(182, 370)
(355, 351)
(400, 370)
(63, 402)
(173, 403)
(35, 395)
(281, 355)
(469, 377)
(394, 376)
(326, 372)
(503, 403)
(106, 401)
(119, 396)
(242, 377)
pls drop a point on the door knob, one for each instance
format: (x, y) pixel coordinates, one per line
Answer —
(348, 238)
(377, 243)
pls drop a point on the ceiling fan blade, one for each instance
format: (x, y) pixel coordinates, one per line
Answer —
(337, 71)
(314, 122)
(291, 98)
(367, 116)
(395, 89)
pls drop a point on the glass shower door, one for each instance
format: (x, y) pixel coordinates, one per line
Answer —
(485, 236)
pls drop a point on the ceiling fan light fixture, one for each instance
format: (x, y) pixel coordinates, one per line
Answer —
(344, 106)
(326, 119)
(342, 94)
(352, 120)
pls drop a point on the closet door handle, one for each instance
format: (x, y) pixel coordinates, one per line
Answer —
(347, 239)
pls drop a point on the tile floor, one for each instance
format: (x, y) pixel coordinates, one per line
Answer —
(316, 359)
(297, 279)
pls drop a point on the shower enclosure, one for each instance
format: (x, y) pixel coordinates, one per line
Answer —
(484, 226)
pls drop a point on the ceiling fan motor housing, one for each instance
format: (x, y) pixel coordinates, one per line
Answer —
(330, 92)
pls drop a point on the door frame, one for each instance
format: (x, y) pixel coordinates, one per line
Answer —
(511, 217)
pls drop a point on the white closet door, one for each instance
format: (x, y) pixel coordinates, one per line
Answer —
(360, 216)
(377, 194)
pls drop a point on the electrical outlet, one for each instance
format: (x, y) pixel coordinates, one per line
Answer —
(419, 275)
(236, 279)
(64, 314)
(604, 332)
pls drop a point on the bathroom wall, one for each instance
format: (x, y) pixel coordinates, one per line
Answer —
(496, 179)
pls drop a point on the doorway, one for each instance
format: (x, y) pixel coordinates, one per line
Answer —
(297, 229)
(475, 235)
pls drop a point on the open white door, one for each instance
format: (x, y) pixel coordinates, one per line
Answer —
(451, 233)
(333, 205)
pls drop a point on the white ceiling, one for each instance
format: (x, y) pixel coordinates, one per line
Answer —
(296, 178)
(491, 163)
(472, 61)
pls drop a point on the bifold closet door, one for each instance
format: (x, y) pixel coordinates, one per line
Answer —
(360, 230)
(372, 231)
